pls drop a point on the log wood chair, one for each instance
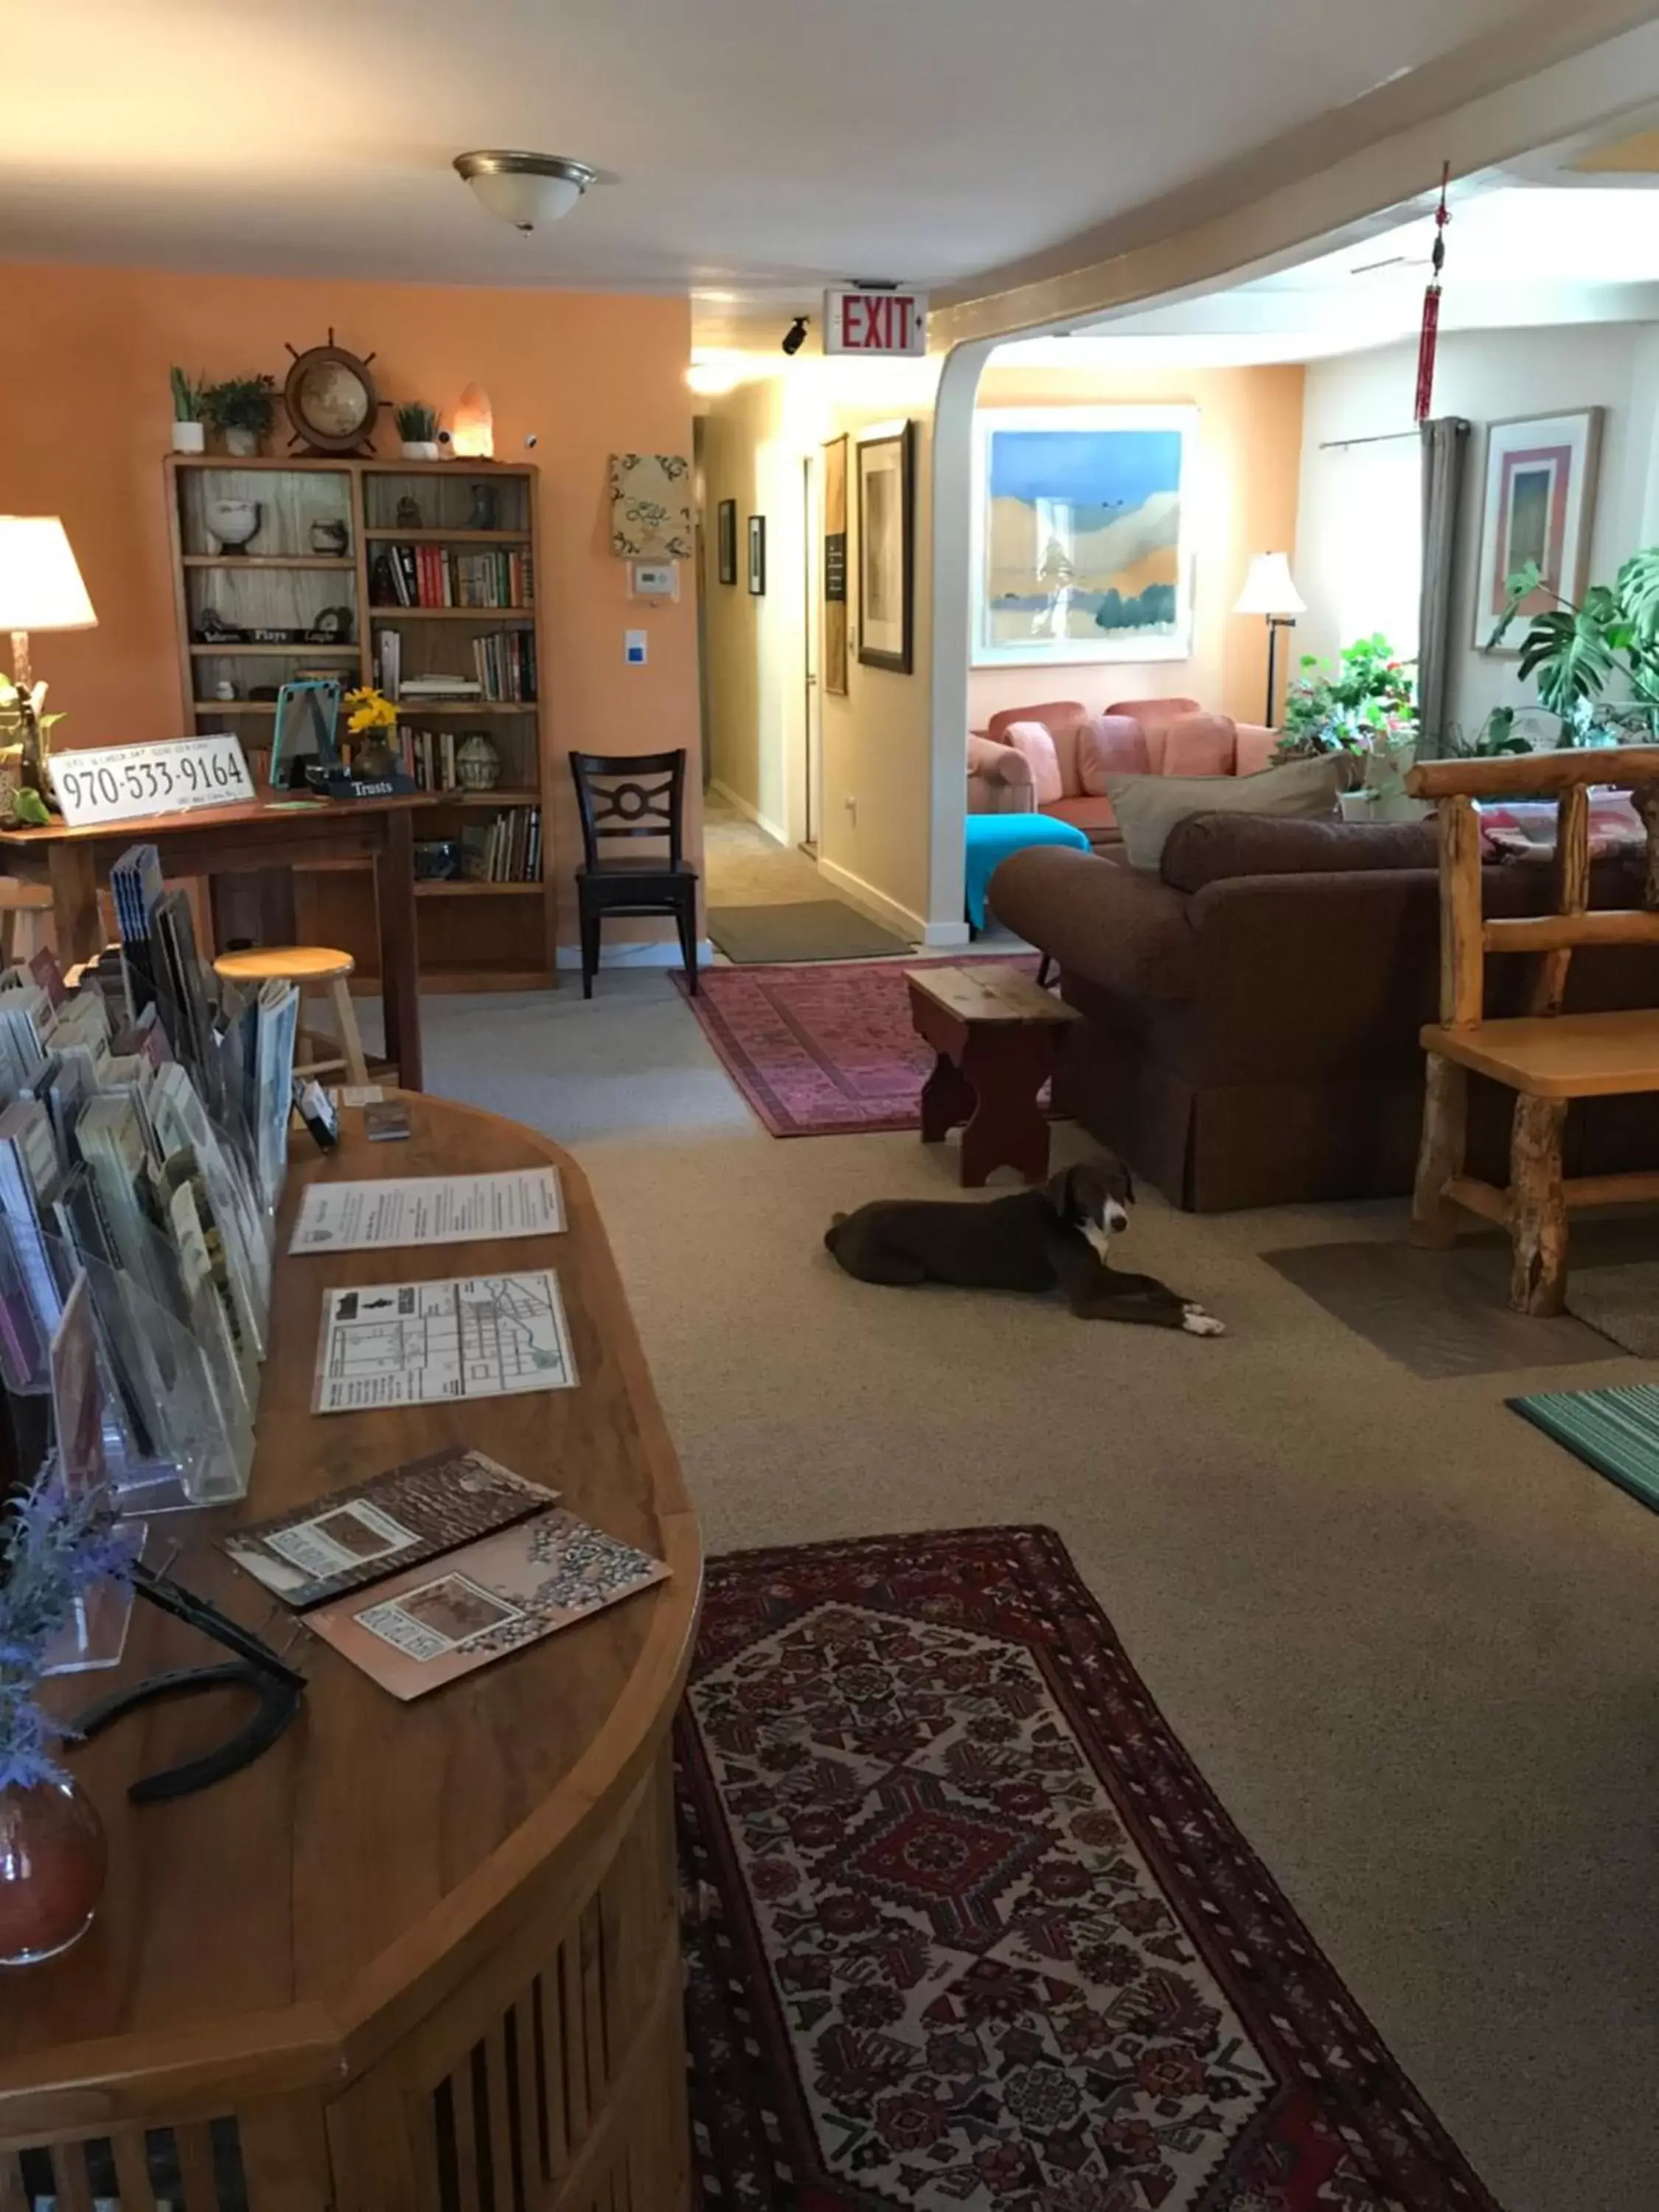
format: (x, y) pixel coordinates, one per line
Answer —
(633, 795)
(1547, 1058)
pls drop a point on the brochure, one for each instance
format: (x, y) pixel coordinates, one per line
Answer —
(355, 1217)
(410, 1344)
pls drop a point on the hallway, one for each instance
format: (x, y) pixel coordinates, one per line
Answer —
(745, 866)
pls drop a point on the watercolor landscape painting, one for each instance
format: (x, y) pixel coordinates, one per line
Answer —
(1079, 519)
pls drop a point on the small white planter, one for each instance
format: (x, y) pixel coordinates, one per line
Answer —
(245, 444)
(190, 437)
(421, 449)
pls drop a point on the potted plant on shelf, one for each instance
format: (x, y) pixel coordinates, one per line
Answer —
(1361, 707)
(242, 410)
(417, 427)
(1609, 643)
(56, 1544)
(189, 430)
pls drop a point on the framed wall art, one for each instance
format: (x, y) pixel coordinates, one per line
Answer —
(757, 555)
(726, 540)
(887, 553)
(1538, 505)
(1082, 534)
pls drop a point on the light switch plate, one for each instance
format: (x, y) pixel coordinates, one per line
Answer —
(634, 644)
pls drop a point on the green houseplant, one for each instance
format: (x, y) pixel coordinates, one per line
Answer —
(1578, 654)
(242, 410)
(417, 427)
(1361, 707)
(189, 430)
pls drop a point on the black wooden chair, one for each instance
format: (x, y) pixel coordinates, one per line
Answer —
(628, 796)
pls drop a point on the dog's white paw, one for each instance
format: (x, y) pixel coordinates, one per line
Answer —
(1197, 1322)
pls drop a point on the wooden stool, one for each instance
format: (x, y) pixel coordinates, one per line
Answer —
(305, 963)
(31, 904)
(997, 1037)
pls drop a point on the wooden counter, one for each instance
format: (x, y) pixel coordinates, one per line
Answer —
(419, 1958)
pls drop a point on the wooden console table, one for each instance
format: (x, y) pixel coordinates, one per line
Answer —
(268, 840)
(419, 1958)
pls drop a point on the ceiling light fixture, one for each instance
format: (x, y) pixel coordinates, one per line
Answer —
(529, 191)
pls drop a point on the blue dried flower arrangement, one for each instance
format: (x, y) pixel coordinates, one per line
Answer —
(54, 1546)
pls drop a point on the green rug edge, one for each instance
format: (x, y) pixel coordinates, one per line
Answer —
(1546, 1410)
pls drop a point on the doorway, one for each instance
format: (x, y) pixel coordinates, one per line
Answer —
(811, 615)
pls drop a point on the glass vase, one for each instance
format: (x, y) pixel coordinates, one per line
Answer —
(53, 1860)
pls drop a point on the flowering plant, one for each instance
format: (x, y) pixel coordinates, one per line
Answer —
(370, 710)
(1362, 704)
(55, 1544)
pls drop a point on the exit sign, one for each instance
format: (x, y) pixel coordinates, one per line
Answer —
(875, 322)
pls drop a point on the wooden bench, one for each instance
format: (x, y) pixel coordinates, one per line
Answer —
(997, 1036)
(1547, 1058)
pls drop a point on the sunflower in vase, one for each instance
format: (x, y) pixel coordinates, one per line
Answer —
(371, 715)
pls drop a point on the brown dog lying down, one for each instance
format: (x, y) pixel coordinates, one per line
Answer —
(1051, 1239)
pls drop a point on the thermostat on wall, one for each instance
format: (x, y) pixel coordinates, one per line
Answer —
(654, 579)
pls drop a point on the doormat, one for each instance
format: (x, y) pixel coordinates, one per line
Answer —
(968, 1928)
(1616, 1432)
(807, 929)
(1622, 1303)
(822, 1051)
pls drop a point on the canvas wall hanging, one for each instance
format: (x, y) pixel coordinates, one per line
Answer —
(651, 507)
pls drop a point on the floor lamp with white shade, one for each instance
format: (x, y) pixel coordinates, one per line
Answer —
(1269, 590)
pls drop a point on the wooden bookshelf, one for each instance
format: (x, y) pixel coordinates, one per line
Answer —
(473, 936)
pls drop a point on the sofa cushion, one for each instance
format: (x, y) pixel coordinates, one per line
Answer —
(1036, 746)
(1112, 745)
(1094, 815)
(1147, 807)
(1200, 744)
(1209, 848)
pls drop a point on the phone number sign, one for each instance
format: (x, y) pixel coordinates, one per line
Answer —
(117, 783)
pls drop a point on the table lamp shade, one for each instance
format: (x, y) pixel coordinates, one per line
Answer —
(1268, 589)
(40, 586)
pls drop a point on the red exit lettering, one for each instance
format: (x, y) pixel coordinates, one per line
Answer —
(876, 322)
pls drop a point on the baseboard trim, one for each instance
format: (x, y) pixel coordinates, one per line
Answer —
(751, 813)
(663, 953)
(876, 904)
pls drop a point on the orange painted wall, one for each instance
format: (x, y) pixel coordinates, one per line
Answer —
(84, 418)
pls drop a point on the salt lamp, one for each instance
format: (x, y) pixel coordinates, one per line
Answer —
(472, 433)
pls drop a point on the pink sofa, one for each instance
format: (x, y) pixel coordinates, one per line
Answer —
(1055, 758)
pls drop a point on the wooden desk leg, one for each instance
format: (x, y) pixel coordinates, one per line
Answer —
(75, 901)
(947, 1100)
(1538, 1208)
(1008, 1068)
(400, 983)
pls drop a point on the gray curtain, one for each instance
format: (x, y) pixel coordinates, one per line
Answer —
(1444, 441)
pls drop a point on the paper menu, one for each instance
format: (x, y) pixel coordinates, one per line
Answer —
(360, 1217)
(415, 1343)
(400, 1519)
(436, 1622)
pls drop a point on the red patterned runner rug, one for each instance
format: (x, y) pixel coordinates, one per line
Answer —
(968, 1930)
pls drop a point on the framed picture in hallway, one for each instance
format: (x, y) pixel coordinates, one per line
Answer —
(886, 546)
(1082, 546)
(725, 539)
(757, 555)
(835, 567)
(1539, 506)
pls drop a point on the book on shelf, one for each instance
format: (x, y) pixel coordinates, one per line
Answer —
(504, 661)
(507, 850)
(432, 576)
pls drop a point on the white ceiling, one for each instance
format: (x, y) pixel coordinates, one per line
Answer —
(1517, 256)
(761, 146)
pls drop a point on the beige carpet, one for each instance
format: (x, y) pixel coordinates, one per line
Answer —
(1413, 1644)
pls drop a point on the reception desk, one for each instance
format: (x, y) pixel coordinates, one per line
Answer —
(419, 1958)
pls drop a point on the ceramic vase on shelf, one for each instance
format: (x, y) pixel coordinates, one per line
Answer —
(190, 437)
(477, 763)
(244, 444)
(233, 522)
(421, 449)
(54, 1860)
(330, 537)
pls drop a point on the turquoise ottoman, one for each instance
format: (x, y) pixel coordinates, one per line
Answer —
(992, 837)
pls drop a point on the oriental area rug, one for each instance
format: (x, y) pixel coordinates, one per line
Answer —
(967, 1931)
(822, 1051)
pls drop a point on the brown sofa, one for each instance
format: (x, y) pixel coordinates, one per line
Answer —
(1252, 1012)
(1133, 737)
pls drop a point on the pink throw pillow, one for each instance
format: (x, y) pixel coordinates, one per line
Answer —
(1034, 741)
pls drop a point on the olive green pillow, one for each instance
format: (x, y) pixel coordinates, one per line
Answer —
(1147, 807)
